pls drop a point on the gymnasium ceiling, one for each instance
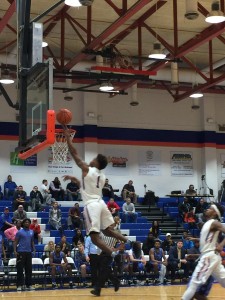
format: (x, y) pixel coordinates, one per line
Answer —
(128, 28)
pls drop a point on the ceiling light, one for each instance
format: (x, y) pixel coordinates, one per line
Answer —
(196, 95)
(216, 15)
(106, 87)
(44, 44)
(157, 52)
(74, 3)
(5, 77)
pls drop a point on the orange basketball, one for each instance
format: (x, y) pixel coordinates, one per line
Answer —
(64, 116)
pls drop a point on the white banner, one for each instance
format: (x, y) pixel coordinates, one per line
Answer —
(149, 163)
(181, 163)
(118, 163)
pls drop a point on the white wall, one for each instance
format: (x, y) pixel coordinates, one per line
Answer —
(156, 111)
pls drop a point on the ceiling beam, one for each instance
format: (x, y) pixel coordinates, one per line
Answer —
(9, 13)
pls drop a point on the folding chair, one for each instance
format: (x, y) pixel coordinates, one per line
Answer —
(11, 272)
(38, 271)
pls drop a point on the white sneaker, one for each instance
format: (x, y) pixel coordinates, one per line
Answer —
(19, 289)
(30, 288)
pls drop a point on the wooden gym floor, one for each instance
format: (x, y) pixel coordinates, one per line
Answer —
(126, 293)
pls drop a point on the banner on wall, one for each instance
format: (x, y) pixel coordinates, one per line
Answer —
(149, 163)
(222, 159)
(117, 162)
(58, 168)
(181, 163)
(22, 166)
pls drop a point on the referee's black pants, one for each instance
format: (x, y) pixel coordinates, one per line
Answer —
(94, 262)
(104, 270)
(24, 262)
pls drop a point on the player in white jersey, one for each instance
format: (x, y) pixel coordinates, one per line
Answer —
(210, 259)
(96, 214)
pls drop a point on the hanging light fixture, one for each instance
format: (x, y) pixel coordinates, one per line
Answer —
(157, 52)
(106, 87)
(216, 15)
(5, 77)
(44, 44)
(73, 3)
(196, 95)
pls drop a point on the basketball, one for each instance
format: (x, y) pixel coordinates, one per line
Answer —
(64, 116)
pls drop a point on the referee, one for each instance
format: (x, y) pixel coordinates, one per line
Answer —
(23, 248)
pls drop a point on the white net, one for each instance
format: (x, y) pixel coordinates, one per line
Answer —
(60, 147)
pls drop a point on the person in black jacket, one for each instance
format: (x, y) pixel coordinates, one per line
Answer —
(148, 243)
(177, 261)
(36, 199)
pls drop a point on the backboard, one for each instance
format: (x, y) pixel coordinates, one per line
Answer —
(37, 117)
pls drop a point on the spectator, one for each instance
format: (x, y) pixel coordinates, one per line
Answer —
(158, 261)
(10, 234)
(155, 229)
(19, 214)
(46, 195)
(122, 261)
(168, 243)
(65, 246)
(187, 243)
(129, 214)
(192, 254)
(191, 194)
(9, 187)
(190, 219)
(137, 258)
(129, 191)
(113, 207)
(117, 221)
(2, 251)
(58, 267)
(23, 248)
(78, 237)
(5, 220)
(74, 218)
(36, 229)
(148, 243)
(55, 216)
(183, 208)
(73, 190)
(56, 189)
(36, 199)
(1, 194)
(20, 198)
(177, 261)
(81, 264)
(48, 248)
(107, 190)
(199, 210)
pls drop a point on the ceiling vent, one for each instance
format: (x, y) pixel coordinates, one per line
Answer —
(191, 10)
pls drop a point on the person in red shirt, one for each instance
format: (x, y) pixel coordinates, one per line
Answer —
(36, 229)
(113, 207)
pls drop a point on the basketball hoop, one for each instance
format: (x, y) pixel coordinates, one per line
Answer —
(60, 147)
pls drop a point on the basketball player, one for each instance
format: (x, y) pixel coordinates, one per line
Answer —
(96, 214)
(210, 260)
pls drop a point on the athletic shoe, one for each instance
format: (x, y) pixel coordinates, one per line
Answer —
(198, 296)
(19, 289)
(54, 286)
(29, 288)
(116, 284)
(96, 292)
(156, 281)
(71, 285)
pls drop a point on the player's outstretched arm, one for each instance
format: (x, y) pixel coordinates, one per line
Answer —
(72, 178)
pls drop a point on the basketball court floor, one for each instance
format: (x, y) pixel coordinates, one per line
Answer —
(126, 293)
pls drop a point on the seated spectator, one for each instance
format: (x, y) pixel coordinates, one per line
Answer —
(59, 267)
(129, 214)
(107, 190)
(129, 191)
(193, 254)
(158, 261)
(20, 198)
(148, 243)
(191, 194)
(46, 195)
(36, 199)
(117, 221)
(183, 208)
(177, 261)
(55, 216)
(81, 264)
(74, 219)
(36, 229)
(1, 194)
(167, 243)
(56, 189)
(9, 187)
(73, 190)
(19, 214)
(10, 234)
(113, 207)
(5, 220)
(65, 246)
(122, 262)
(78, 237)
(48, 248)
(155, 229)
(137, 258)
(187, 243)
(190, 219)
(2, 252)
(200, 209)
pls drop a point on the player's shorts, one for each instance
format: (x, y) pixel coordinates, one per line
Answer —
(97, 216)
(209, 264)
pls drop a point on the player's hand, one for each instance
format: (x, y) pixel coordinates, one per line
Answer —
(66, 177)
